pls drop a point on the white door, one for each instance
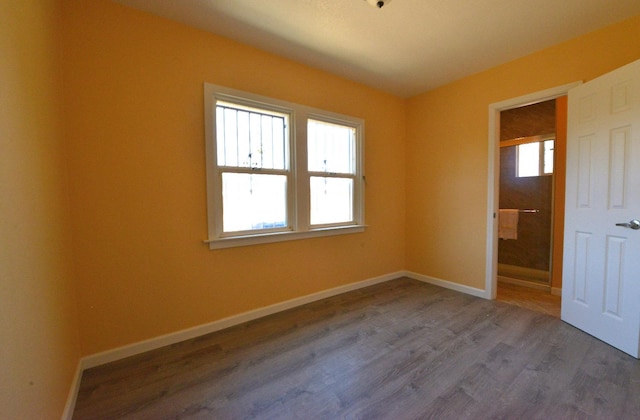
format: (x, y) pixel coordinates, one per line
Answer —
(601, 277)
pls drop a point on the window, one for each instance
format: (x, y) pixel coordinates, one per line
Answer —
(332, 170)
(279, 171)
(252, 159)
(534, 158)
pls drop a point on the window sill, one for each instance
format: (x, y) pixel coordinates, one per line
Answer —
(282, 237)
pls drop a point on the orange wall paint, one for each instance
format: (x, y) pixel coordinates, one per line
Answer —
(39, 343)
(447, 147)
(127, 216)
(134, 119)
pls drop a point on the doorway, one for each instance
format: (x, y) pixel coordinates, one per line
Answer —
(527, 143)
(493, 207)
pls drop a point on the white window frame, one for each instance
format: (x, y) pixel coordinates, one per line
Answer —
(541, 161)
(298, 176)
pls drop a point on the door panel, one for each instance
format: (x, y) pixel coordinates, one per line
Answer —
(601, 293)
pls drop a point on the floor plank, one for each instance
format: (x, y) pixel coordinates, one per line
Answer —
(402, 350)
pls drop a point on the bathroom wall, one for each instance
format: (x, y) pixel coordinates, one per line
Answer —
(532, 248)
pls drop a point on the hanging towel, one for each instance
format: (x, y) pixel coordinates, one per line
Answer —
(508, 223)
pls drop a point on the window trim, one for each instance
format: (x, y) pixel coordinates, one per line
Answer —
(523, 140)
(298, 195)
(355, 177)
(221, 169)
(527, 140)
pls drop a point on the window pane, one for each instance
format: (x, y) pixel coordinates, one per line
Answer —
(331, 200)
(528, 159)
(252, 201)
(548, 156)
(250, 138)
(226, 137)
(331, 147)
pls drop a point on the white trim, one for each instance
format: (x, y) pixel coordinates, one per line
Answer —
(493, 178)
(119, 353)
(186, 334)
(70, 405)
(197, 331)
(296, 170)
(493, 196)
(447, 284)
(266, 238)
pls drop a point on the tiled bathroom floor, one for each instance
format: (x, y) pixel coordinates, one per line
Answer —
(529, 298)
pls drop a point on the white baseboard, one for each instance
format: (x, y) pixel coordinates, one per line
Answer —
(197, 331)
(448, 285)
(70, 406)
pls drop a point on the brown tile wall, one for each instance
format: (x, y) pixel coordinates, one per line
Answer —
(532, 248)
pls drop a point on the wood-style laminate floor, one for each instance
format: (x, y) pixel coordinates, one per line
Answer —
(398, 350)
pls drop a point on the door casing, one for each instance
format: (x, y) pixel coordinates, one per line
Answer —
(491, 273)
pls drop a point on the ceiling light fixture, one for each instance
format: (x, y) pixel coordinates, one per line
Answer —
(378, 3)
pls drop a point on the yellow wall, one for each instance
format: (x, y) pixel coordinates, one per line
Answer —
(39, 344)
(134, 120)
(102, 179)
(447, 147)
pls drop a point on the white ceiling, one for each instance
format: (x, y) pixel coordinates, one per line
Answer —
(407, 47)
